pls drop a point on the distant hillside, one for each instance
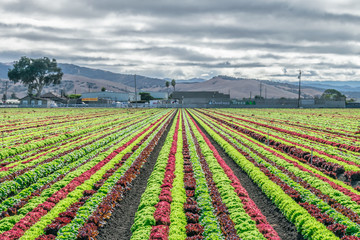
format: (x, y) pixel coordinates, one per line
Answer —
(347, 86)
(78, 79)
(243, 88)
(126, 79)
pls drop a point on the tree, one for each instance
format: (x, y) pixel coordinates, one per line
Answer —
(13, 96)
(332, 94)
(146, 96)
(74, 96)
(35, 73)
(103, 89)
(173, 83)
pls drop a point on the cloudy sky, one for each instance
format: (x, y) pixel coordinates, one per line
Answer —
(264, 39)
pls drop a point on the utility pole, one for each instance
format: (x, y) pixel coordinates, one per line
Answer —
(135, 92)
(299, 77)
(260, 89)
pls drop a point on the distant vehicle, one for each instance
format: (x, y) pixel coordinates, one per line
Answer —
(53, 105)
(12, 102)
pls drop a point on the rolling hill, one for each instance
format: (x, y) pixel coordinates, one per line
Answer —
(78, 79)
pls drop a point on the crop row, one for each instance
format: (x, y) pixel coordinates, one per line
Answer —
(304, 189)
(77, 189)
(193, 194)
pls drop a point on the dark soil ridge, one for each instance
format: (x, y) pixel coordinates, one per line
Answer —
(122, 218)
(285, 229)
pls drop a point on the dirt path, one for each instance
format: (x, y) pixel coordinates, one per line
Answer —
(118, 226)
(285, 229)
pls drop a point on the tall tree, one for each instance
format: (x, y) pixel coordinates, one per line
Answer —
(167, 84)
(173, 83)
(35, 73)
(146, 96)
(13, 96)
(332, 94)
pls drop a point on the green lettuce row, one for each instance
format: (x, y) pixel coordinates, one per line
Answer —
(30, 146)
(338, 182)
(144, 217)
(178, 219)
(51, 154)
(98, 125)
(9, 202)
(91, 204)
(346, 166)
(43, 170)
(244, 225)
(207, 217)
(57, 126)
(307, 225)
(7, 223)
(291, 128)
(309, 197)
(314, 181)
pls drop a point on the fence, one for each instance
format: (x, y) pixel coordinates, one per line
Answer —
(262, 103)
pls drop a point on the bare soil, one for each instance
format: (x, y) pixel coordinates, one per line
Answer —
(285, 229)
(118, 226)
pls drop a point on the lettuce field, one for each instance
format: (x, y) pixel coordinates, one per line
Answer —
(179, 174)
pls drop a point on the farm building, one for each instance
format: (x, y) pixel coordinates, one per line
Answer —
(54, 97)
(108, 96)
(31, 101)
(201, 97)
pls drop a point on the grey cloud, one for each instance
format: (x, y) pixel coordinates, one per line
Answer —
(193, 35)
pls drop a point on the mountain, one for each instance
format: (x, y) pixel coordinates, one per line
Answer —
(78, 79)
(191, 80)
(346, 86)
(243, 88)
(126, 79)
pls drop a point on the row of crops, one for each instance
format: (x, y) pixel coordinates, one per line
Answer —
(61, 175)
(63, 172)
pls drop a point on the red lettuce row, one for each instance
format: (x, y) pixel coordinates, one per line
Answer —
(194, 229)
(109, 190)
(18, 201)
(145, 216)
(226, 223)
(162, 213)
(33, 216)
(355, 197)
(13, 152)
(305, 223)
(329, 168)
(305, 125)
(295, 195)
(250, 207)
(312, 138)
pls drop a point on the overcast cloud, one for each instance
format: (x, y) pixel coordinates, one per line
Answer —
(187, 39)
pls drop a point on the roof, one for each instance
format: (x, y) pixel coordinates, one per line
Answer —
(49, 95)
